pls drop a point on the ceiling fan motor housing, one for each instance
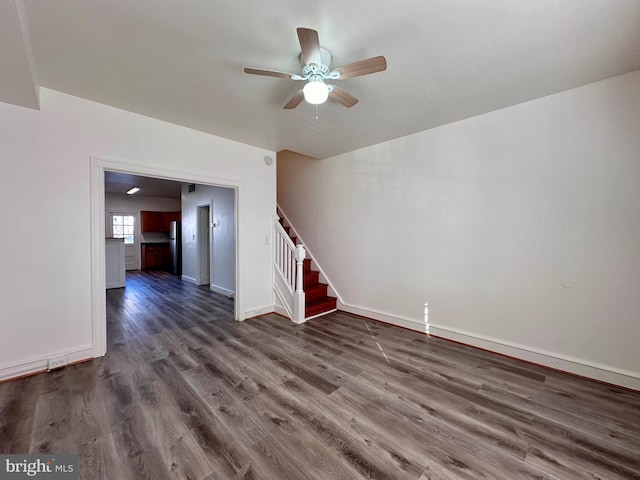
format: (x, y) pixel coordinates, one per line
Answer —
(312, 69)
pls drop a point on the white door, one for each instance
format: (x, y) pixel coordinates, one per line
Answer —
(123, 225)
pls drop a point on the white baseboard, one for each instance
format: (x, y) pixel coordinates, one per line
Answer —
(583, 368)
(222, 291)
(256, 312)
(189, 279)
(40, 364)
(281, 311)
(383, 317)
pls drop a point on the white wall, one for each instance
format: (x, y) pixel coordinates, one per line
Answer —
(223, 260)
(520, 228)
(46, 277)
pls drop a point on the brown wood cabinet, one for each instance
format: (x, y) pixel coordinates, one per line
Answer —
(150, 257)
(157, 221)
(150, 221)
(167, 218)
(156, 257)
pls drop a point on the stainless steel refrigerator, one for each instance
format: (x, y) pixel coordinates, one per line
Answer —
(175, 245)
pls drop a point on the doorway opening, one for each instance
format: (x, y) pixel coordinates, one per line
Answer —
(204, 245)
(192, 187)
(211, 238)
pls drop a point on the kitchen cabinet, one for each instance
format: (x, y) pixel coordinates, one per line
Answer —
(151, 221)
(167, 218)
(164, 256)
(150, 258)
(157, 221)
(156, 257)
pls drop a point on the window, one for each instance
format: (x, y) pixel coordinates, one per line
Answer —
(123, 227)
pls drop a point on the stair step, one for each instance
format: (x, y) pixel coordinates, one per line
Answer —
(317, 301)
(311, 278)
(321, 305)
(314, 292)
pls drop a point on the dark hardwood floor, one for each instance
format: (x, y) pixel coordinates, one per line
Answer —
(185, 392)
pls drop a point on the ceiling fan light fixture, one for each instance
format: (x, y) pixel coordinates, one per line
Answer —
(316, 69)
(316, 92)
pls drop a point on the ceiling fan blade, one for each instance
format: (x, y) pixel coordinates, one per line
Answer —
(342, 96)
(310, 45)
(268, 73)
(363, 67)
(295, 100)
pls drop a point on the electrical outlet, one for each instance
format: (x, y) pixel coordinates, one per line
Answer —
(54, 363)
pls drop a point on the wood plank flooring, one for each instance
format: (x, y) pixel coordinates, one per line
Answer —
(187, 393)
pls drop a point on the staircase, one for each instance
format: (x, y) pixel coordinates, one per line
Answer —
(317, 302)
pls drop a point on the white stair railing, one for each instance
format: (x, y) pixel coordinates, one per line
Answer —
(288, 276)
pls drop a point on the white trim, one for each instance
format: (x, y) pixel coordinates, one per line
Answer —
(239, 313)
(403, 322)
(222, 291)
(320, 315)
(281, 311)
(556, 361)
(284, 306)
(98, 276)
(189, 279)
(98, 165)
(584, 368)
(325, 278)
(39, 364)
(272, 263)
(280, 305)
(256, 312)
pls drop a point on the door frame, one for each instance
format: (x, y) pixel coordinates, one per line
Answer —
(201, 248)
(98, 165)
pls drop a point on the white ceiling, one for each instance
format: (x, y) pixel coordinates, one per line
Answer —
(116, 182)
(182, 61)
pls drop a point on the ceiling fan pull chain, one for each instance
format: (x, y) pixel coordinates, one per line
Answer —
(316, 111)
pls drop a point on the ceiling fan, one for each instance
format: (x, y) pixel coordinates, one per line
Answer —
(316, 68)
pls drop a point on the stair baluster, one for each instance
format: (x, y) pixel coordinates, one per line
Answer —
(316, 300)
(288, 262)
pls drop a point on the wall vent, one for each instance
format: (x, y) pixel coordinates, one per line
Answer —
(192, 188)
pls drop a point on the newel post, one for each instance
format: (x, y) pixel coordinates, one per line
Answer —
(298, 296)
(300, 256)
